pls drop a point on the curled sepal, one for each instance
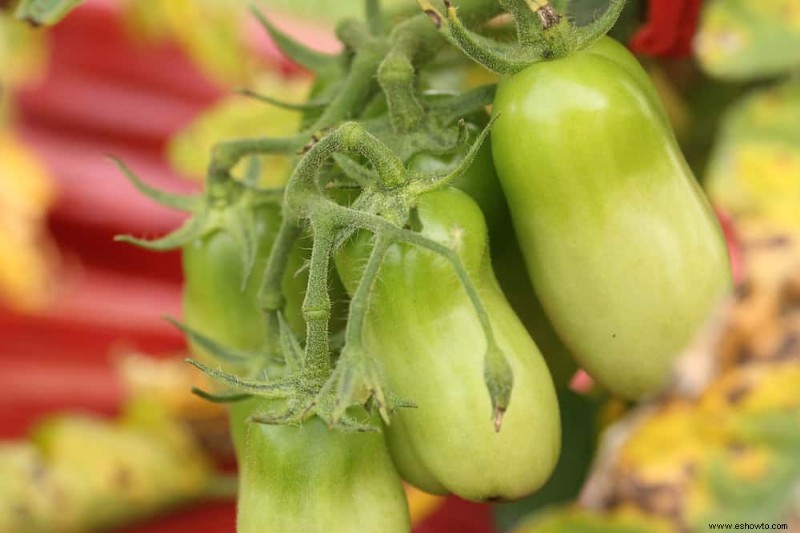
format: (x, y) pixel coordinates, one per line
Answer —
(547, 35)
(180, 202)
(356, 380)
(340, 417)
(294, 50)
(451, 141)
(218, 397)
(280, 417)
(503, 58)
(499, 380)
(399, 403)
(192, 229)
(588, 34)
(360, 174)
(278, 389)
(301, 407)
(214, 348)
(431, 182)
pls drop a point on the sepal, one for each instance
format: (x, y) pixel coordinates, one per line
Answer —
(175, 201)
(294, 50)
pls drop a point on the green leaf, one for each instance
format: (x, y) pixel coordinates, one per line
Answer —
(741, 39)
(44, 12)
(755, 164)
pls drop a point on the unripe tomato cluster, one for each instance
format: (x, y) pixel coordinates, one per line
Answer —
(622, 250)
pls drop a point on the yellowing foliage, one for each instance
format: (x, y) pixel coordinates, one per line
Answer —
(210, 31)
(755, 169)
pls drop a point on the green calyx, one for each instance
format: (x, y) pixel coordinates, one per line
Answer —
(542, 33)
(315, 381)
(227, 205)
(362, 127)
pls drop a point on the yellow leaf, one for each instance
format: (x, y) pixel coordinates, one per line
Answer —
(739, 39)
(210, 31)
(239, 117)
(755, 168)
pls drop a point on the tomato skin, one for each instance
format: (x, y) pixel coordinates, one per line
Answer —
(620, 242)
(424, 331)
(509, 267)
(481, 183)
(218, 305)
(214, 301)
(311, 479)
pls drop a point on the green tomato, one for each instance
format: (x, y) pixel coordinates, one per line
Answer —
(619, 240)
(481, 183)
(425, 333)
(312, 479)
(216, 303)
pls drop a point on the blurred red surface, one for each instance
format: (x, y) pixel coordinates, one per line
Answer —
(669, 29)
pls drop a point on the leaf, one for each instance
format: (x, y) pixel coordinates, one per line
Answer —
(44, 12)
(755, 165)
(740, 39)
(292, 48)
(174, 201)
(570, 519)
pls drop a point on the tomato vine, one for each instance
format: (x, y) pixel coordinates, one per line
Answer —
(367, 121)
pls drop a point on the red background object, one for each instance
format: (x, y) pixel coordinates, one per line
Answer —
(669, 30)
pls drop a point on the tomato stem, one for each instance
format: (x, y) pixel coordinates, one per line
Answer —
(317, 303)
(542, 34)
(271, 291)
